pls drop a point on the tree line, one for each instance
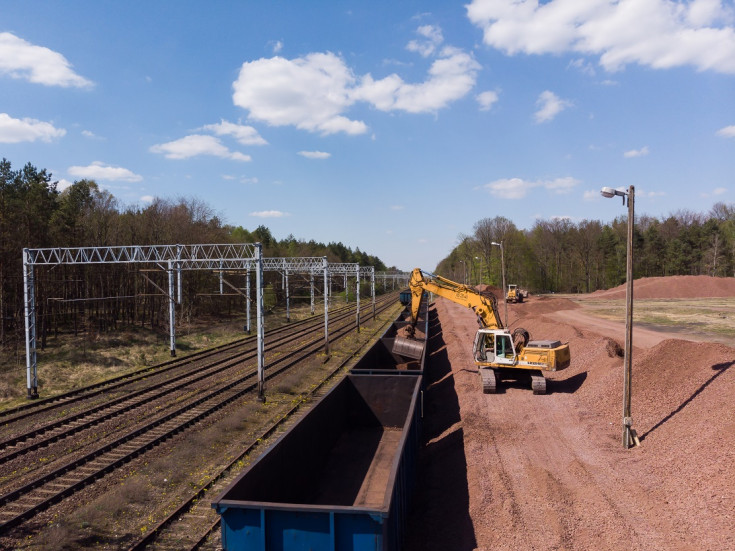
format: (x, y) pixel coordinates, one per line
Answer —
(34, 214)
(561, 256)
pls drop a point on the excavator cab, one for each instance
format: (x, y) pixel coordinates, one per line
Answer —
(494, 346)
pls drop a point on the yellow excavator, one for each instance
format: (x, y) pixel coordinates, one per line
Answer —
(497, 352)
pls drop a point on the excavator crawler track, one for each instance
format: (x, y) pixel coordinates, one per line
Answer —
(489, 380)
(538, 383)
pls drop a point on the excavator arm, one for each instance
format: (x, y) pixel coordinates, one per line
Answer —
(484, 305)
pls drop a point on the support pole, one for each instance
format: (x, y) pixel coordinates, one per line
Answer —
(259, 314)
(29, 300)
(221, 276)
(357, 294)
(288, 298)
(247, 299)
(372, 288)
(178, 273)
(505, 290)
(627, 376)
(347, 290)
(312, 293)
(327, 286)
(172, 309)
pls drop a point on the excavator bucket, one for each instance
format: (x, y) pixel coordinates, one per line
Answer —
(407, 348)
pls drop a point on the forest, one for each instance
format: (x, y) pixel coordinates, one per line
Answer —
(560, 256)
(34, 214)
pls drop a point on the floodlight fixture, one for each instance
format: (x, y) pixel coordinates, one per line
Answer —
(609, 192)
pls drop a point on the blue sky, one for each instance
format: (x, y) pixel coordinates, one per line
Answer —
(390, 126)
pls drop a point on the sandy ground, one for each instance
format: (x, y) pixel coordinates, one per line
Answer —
(518, 471)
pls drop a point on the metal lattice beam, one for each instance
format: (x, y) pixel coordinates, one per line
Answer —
(168, 257)
(137, 254)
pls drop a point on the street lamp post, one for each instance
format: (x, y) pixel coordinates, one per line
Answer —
(464, 271)
(502, 269)
(628, 432)
(479, 282)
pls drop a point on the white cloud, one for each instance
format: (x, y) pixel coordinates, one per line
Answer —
(91, 135)
(727, 132)
(269, 214)
(277, 46)
(642, 152)
(550, 105)
(62, 184)
(517, 188)
(246, 135)
(654, 33)
(27, 130)
(37, 64)
(486, 99)
(147, 198)
(715, 192)
(582, 66)
(509, 188)
(314, 92)
(559, 185)
(396, 207)
(309, 92)
(431, 38)
(315, 154)
(197, 144)
(451, 77)
(100, 171)
(591, 195)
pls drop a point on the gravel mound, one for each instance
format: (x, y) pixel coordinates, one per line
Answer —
(674, 287)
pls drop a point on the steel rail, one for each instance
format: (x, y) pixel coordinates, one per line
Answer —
(104, 466)
(255, 443)
(38, 406)
(142, 397)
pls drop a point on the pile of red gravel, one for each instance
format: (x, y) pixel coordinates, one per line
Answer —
(674, 287)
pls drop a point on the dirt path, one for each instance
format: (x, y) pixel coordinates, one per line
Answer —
(642, 337)
(518, 471)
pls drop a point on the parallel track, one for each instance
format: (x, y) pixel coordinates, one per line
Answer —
(194, 526)
(69, 398)
(38, 494)
(178, 376)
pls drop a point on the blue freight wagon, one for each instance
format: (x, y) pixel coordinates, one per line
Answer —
(398, 356)
(338, 480)
(405, 297)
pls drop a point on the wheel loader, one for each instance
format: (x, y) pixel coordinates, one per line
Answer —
(515, 294)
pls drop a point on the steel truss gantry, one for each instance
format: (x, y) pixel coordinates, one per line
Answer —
(300, 265)
(394, 277)
(175, 258)
(169, 258)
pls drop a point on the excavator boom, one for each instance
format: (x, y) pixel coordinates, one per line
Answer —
(497, 352)
(484, 305)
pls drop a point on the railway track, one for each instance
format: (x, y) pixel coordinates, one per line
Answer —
(159, 384)
(229, 381)
(194, 524)
(68, 399)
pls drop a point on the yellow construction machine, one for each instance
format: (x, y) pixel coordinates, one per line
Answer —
(497, 352)
(515, 294)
